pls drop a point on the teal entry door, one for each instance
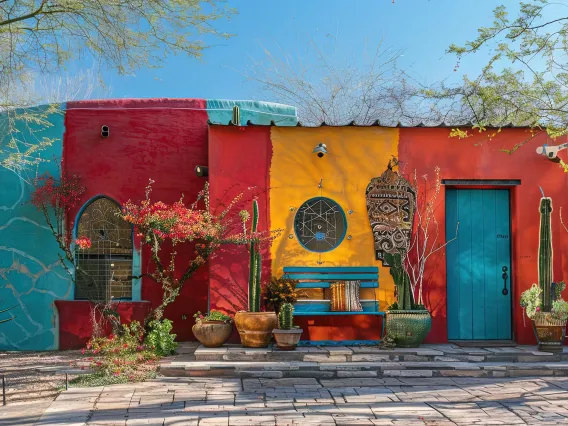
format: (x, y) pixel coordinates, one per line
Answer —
(478, 306)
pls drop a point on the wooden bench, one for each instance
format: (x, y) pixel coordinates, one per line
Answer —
(322, 278)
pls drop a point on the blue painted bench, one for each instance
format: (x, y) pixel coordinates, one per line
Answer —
(323, 277)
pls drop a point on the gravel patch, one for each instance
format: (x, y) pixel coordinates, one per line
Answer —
(24, 383)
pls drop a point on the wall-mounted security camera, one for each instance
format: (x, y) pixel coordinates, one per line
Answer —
(551, 152)
(320, 150)
(105, 131)
(201, 171)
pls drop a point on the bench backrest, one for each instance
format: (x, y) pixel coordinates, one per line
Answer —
(321, 277)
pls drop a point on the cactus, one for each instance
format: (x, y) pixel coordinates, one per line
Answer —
(286, 317)
(545, 254)
(255, 263)
(236, 116)
(401, 280)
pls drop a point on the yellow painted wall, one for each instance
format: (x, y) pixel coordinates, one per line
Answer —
(356, 154)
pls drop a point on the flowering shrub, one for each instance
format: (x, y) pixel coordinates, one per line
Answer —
(83, 243)
(157, 223)
(124, 357)
(159, 339)
(278, 291)
(212, 316)
(55, 199)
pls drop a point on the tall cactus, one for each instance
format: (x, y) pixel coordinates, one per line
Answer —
(401, 280)
(255, 263)
(545, 254)
(286, 316)
(236, 116)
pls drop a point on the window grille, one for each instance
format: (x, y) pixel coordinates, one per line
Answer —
(104, 271)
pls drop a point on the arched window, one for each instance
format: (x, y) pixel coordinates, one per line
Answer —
(104, 270)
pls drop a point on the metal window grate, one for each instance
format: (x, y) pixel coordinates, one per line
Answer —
(104, 271)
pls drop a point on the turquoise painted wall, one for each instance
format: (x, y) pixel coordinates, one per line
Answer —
(220, 112)
(30, 274)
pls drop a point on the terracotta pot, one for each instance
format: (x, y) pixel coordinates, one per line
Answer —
(287, 340)
(255, 328)
(550, 333)
(212, 334)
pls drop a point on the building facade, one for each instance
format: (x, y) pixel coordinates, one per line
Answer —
(491, 184)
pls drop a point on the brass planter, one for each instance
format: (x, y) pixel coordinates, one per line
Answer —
(255, 328)
(287, 340)
(212, 334)
(550, 333)
(408, 328)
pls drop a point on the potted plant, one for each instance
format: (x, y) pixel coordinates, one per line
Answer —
(543, 303)
(287, 335)
(408, 321)
(280, 290)
(255, 327)
(212, 330)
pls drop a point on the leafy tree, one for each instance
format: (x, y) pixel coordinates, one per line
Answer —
(525, 80)
(39, 37)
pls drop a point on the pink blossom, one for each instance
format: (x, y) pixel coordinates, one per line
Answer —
(83, 243)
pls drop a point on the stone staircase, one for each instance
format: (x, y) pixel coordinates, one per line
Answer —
(329, 362)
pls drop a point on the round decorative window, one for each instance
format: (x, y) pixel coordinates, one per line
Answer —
(320, 224)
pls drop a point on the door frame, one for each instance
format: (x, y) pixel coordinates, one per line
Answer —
(512, 187)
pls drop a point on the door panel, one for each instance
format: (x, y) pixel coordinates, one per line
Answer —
(477, 309)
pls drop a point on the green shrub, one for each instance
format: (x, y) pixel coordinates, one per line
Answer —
(159, 339)
(120, 358)
(559, 310)
(212, 316)
(530, 300)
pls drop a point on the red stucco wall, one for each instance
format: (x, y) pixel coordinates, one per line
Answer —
(76, 327)
(239, 160)
(477, 157)
(161, 139)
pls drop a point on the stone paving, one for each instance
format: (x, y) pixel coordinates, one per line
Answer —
(294, 401)
(341, 361)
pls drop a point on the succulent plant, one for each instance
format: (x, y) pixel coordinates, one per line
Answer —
(286, 317)
(255, 263)
(401, 280)
(545, 254)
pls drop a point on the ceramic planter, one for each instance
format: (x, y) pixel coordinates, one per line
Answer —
(212, 334)
(549, 332)
(287, 340)
(255, 328)
(408, 328)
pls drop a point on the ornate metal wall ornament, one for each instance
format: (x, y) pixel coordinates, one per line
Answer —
(391, 202)
(320, 224)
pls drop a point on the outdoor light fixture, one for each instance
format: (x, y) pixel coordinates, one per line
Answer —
(201, 171)
(105, 131)
(320, 150)
(551, 152)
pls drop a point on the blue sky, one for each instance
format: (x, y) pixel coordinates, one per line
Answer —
(422, 28)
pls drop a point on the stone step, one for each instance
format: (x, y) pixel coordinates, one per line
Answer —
(330, 354)
(353, 369)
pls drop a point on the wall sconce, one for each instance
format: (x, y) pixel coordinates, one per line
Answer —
(105, 131)
(291, 236)
(320, 150)
(551, 152)
(349, 237)
(201, 171)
